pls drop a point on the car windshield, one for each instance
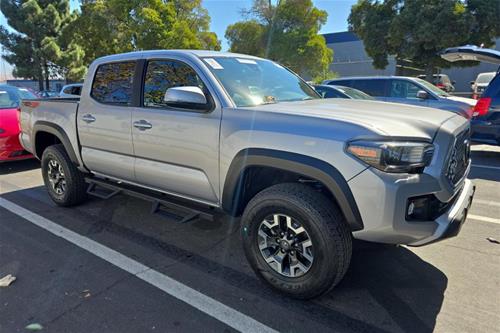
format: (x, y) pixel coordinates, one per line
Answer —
(485, 77)
(432, 88)
(10, 97)
(354, 93)
(251, 82)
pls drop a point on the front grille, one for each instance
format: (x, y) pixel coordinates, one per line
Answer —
(458, 160)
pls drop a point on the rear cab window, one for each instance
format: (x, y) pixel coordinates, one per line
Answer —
(493, 89)
(113, 83)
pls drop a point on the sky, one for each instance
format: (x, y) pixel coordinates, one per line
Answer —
(226, 12)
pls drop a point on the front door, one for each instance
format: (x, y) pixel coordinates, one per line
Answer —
(404, 91)
(176, 149)
(104, 121)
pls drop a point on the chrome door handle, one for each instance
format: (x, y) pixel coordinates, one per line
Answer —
(142, 125)
(88, 118)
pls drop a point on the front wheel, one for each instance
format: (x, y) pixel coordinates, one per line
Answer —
(64, 182)
(296, 240)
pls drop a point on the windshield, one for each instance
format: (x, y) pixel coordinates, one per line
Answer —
(354, 93)
(10, 96)
(251, 82)
(485, 77)
(432, 88)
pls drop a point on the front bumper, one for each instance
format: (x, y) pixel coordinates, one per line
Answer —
(450, 223)
(382, 200)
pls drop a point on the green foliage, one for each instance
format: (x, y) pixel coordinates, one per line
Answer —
(36, 48)
(326, 75)
(416, 30)
(287, 32)
(115, 26)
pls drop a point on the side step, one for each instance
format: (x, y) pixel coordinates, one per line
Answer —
(162, 204)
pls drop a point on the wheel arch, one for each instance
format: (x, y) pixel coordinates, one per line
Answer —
(233, 195)
(44, 131)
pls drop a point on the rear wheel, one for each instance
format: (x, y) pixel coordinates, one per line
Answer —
(64, 182)
(296, 240)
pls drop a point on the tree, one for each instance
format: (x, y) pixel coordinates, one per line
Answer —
(286, 32)
(34, 46)
(416, 30)
(115, 26)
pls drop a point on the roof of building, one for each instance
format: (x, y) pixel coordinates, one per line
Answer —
(340, 37)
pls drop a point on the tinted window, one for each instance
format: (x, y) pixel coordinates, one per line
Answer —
(345, 83)
(329, 93)
(373, 87)
(113, 83)
(76, 90)
(164, 74)
(403, 89)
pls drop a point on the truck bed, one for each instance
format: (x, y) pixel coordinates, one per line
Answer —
(52, 112)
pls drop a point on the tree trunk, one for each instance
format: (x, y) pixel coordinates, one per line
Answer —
(47, 76)
(429, 71)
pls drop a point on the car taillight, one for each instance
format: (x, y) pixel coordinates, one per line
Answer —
(482, 106)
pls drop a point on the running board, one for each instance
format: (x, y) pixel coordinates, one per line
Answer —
(162, 204)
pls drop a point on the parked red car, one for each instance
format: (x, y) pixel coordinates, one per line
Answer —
(10, 97)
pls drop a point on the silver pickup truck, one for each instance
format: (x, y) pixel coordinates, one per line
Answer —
(246, 136)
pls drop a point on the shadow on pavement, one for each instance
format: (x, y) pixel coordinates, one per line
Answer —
(387, 288)
(18, 166)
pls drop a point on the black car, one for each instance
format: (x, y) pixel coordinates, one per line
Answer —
(486, 114)
(328, 91)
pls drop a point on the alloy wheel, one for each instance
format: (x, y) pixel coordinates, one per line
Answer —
(285, 245)
(56, 177)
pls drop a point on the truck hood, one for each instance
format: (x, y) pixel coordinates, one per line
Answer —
(386, 119)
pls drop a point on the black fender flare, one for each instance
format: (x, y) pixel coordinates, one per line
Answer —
(57, 131)
(304, 165)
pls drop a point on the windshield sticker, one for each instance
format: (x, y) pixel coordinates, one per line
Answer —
(246, 61)
(213, 63)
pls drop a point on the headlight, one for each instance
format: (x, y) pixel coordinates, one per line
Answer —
(393, 156)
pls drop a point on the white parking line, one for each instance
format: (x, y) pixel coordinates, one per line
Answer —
(486, 202)
(194, 298)
(483, 218)
(485, 166)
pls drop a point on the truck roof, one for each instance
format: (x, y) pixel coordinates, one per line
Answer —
(162, 53)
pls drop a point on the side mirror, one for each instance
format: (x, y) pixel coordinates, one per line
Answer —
(189, 97)
(453, 82)
(422, 94)
(472, 82)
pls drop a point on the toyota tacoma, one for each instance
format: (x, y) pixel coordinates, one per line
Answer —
(248, 137)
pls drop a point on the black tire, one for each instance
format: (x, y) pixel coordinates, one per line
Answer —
(325, 226)
(75, 190)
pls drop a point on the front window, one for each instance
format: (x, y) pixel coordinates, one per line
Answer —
(485, 78)
(251, 82)
(432, 88)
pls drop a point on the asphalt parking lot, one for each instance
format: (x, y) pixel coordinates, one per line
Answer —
(111, 266)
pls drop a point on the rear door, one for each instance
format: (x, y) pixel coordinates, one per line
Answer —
(104, 121)
(176, 149)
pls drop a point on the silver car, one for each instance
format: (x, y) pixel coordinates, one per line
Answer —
(408, 90)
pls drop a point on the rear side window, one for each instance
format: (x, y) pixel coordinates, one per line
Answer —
(164, 74)
(345, 83)
(113, 83)
(77, 90)
(373, 87)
